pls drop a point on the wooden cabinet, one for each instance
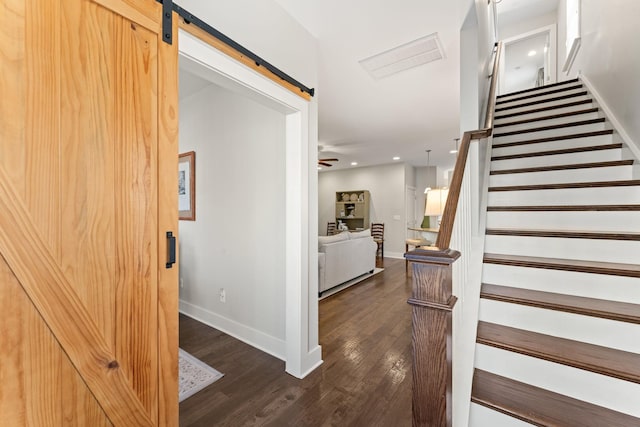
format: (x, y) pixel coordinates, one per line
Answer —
(352, 208)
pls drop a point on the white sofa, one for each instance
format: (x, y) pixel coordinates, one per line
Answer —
(343, 257)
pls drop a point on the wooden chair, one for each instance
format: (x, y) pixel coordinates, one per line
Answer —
(331, 228)
(416, 243)
(377, 231)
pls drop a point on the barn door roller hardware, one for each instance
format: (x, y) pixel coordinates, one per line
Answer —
(168, 6)
(167, 21)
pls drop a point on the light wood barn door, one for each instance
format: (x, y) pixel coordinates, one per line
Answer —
(88, 178)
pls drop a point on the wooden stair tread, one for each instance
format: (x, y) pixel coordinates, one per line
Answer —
(541, 109)
(554, 138)
(607, 361)
(542, 93)
(541, 407)
(543, 101)
(541, 88)
(565, 208)
(550, 117)
(565, 185)
(594, 267)
(561, 151)
(551, 127)
(613, 310)
(613, 163)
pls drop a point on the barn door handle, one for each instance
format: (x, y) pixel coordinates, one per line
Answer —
(171, 249)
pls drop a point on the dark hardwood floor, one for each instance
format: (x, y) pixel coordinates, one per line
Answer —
(365, 380)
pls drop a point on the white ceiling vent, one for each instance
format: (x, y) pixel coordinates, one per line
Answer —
(409, 55)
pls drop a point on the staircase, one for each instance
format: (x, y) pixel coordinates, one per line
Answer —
(558, 340)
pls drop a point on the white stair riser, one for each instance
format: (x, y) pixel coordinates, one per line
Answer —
(601, 390)
(568, 196)
(571, 130)
(593, 330)
(540, 91)
(481, 416)
(547, 122)
(580, 220)
(526, 116)
(558, 159)
(620, 251)
(614, 288)
(552, 145)
(613, 173)
(510, 102)
(521, 106)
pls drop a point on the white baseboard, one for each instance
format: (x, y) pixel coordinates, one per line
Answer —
(395, 255)
(264, 342)
(313, 359)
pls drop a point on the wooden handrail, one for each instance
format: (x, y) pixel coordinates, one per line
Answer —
(432, 298)
(449, 215)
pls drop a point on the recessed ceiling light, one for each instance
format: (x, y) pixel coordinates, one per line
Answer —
(319, 168)
(453, 151)
(396, 158)
(354, 163)
(531, 53)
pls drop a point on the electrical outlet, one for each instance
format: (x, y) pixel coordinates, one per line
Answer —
(223, 295)
(181, 282)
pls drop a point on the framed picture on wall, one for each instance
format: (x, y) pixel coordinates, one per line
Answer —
(187, 186)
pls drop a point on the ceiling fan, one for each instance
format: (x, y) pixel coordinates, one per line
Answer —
(323, 162)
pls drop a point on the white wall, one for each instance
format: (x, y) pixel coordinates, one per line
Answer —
(512, 29)
(609, 56)
(386, 183)
(236, 242)
(476, 44)
(263, 27)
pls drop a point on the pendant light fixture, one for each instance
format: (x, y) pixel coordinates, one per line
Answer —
(426, 190)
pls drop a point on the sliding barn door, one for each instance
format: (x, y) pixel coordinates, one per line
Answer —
(88, 165)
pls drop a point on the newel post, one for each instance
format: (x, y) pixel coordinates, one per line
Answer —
(432, 305)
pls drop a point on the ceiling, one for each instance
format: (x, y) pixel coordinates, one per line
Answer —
(371, 121)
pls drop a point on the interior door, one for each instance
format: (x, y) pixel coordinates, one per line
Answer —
(88, 173)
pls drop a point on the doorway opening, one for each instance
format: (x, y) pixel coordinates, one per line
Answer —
(245, 262)
(529, 60)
